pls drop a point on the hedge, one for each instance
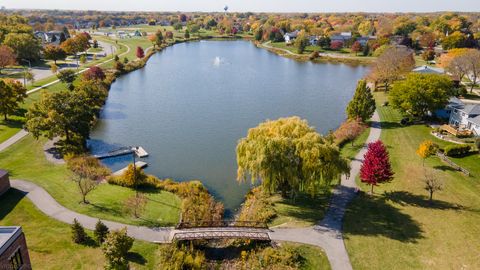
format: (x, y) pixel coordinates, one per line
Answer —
(456, 150)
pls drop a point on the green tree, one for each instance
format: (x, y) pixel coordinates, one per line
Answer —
(12, 93)
(362, 104)
(455, 40)
(158, 38)
(54, 53)
(420, 94)
(301, 42)
(288, 155)
(67, 76)
(115, 248)
(64, 114)
(100, 232)
(187, 34)
(79, 236)
(24, 45)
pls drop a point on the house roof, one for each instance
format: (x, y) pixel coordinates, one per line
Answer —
(472, 109)
(7, 236)
(428, 70)
(293, 34)
(454, 102)
(474, 120)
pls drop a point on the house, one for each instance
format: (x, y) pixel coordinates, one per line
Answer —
(4, 182)
(428, 70)
(13, 249)
(313, 40)
(466, 116)
(137, 33)
(364, 40)
(290, 37)
(453, 103)
(343, 37)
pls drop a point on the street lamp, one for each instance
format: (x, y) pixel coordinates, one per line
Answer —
(25, 72)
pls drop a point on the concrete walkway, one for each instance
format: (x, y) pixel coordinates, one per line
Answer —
(15, 138)
(327, 234)
(48, 205)
(321, 54)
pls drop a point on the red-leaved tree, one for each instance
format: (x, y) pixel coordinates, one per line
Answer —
(140, 52)
(94, 73)
(336, 45)
(376, 166)
(356, 47)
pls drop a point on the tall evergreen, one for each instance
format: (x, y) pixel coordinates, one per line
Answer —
(362, 104)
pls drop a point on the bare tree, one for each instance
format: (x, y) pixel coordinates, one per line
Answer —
(432, 183)
(85, 186)
(458, 67)
(136, 204)
(472, 59)
(392, 65)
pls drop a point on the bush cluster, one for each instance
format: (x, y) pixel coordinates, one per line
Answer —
(456, 150)
(257, 207)
(197, 203)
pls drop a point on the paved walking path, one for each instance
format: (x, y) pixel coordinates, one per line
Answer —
(321, 54)
(15, 138)
(48, 205)
(327, 234)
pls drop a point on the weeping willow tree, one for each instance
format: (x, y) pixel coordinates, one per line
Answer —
(289, 156)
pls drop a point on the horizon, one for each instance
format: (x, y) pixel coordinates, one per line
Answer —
(267, 6)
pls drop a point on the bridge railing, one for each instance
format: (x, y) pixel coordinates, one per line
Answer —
(221, 223)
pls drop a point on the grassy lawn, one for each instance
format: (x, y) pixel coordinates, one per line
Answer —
(315, 257)
(397, 228)
(26, 160)
(49, 242)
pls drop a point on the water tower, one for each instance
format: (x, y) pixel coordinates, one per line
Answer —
(226, 9)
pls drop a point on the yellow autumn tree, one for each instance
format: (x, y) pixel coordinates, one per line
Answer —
(426, 149)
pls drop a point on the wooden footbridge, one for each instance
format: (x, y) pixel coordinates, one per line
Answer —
(223, 229)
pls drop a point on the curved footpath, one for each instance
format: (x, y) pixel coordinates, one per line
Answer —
(327, 234)
(321, 54)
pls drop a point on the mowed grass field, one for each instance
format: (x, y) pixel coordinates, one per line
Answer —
(397, 228)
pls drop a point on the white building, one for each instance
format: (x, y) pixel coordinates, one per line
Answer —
(466, 117)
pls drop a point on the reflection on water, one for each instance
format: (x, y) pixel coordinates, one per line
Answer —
(189, 115)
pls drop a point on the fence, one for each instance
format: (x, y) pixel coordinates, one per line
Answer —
(453, 164)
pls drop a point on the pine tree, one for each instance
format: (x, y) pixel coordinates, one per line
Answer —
(362, 104)
(101, 232)
(78, 233)
(376, 166)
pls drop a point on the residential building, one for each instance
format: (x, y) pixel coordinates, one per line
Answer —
(13, 249)
(313, 40)
(290, 37)
(466, 116)
(4, 182)
(364, 40)
(343, 37)
(428, 70)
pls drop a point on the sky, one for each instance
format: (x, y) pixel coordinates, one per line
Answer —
(251, 5)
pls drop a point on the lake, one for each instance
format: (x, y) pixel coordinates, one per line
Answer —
(193, 101)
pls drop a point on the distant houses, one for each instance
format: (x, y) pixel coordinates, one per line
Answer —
(51, 37)
(290, 37)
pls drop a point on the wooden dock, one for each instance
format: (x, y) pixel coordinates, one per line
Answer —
(138, 164)
(138, 150)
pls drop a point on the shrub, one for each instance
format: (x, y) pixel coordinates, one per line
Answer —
(457, 150)
(348, 131)
(87, 166)
(101, 232)
(78, 233)
(257, 207)
(477, 144)
(314, 55)
(428, 55)
(127, 179)
(115, 248)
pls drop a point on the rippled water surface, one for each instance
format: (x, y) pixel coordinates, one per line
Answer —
(192, 102)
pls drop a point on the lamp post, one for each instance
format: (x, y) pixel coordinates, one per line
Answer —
(135, 171)
(25, 71)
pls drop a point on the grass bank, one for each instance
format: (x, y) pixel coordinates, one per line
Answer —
(397, 228)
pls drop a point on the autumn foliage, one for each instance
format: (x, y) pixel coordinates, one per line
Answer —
(427, 149)
(94, 73)
(349, 130)
(376, 166)
(140, 53)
